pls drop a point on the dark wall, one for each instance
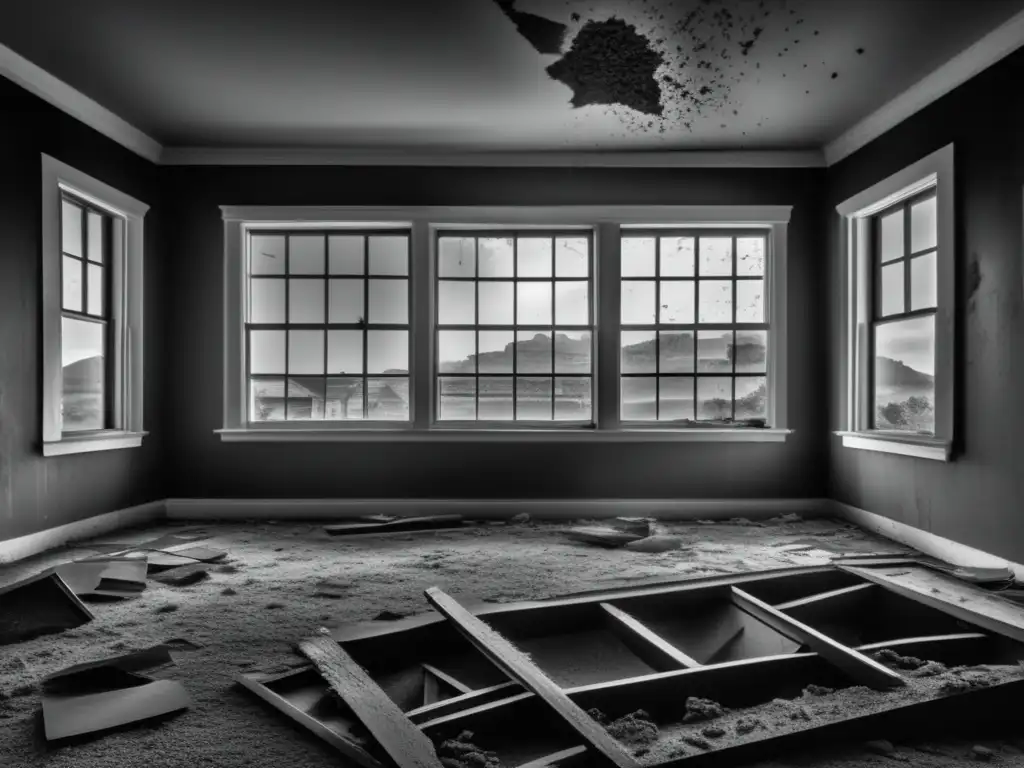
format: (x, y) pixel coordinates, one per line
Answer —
(37, 493)
(204, 467)
(976, 499)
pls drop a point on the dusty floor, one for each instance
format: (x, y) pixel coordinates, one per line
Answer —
(271, 592)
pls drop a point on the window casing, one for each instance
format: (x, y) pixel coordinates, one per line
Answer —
(899, 272)
(92, 236)
(434, 333)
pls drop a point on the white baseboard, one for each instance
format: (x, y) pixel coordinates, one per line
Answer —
(333, 509)
(923, 541)
(35, 543)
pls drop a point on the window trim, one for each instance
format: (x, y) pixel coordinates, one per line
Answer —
(125, 304)
(933, 171)
(604, 221)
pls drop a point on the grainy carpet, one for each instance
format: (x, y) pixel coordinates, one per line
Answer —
(283, 581)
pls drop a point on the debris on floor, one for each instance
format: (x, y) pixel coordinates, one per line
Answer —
(39, 605)
(105, 577)
(421, 523)
(183, 575)
(74, 677)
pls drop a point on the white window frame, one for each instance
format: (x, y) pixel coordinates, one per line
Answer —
(933, 171)
(606, 222)
(126, 311)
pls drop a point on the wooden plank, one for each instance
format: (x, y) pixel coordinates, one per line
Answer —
(832, 597)
(651, 648)
(466, 701)
(347, 748)
(77, 715)
(962, 601)
(518, 666)
(858, 666)
(570, 755)
(395, 733)
(904, 642)
(444, 677)
(846, 605)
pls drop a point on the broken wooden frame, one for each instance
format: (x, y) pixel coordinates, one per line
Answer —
(653, 647)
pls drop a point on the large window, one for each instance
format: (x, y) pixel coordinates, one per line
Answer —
(514, 327)
(694, 330)
(328, 326)
(568, 323)
(898, 367)
(92, 313)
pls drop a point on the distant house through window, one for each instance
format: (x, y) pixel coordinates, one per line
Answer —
(694, 326)
(328, 326)
(514, 326)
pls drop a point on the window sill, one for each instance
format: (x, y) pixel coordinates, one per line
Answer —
(102, 441)
(917, 446)
(264, 435)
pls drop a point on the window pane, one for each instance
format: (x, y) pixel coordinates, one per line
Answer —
(638, 399)
(344, 352)
(677, 256)
(924, 225)
(572, 257)
(305, 352)
(572, 303)
(715, 256)
(677, 305)
(95, 286)
(71, 228)
(456, 351)
(305, 301)
(714, 397)
(456, 398)
(714, 350)
(675, 349)
(496, 352)
(751, 351)
(83, 369)
(638, 351)
(749, 301)
(924, 291)
(456, 257)
(638, 302)
(534, 257)
(751, 397)
(455, 305)
(675, 397)
(892, 288)
(266, 254)
(306, 398)
(267, 300)
(534, 351)
(389, 301)
(533, 398)
(905, 375)
(97, 236)
(715, 301)
(495, 257)
(750, 256)
(306, 255)
(387, 352)
(572, 351)
(497, 301)
(344, 399)
(266, 352)
(389, 254)
(572, 399)
(892, 235)
(534, 300)
(387, 399)
(267, 399)
(346, 254)
(495, 398)
(637, 257)
(71, 276)
(346, 301)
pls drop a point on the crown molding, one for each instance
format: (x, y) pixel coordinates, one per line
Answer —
(989, 50)
(38, 81)
(564, 159)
